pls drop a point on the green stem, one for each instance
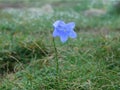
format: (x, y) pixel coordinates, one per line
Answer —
(57, 63)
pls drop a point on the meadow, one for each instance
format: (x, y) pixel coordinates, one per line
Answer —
(27, 56)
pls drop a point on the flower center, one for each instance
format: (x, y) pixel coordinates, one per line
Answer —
(64, 30)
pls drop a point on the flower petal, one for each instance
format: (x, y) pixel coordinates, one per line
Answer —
(55, 33)
(72, 34)
(71, 25)
(58, 23)
(63, 38)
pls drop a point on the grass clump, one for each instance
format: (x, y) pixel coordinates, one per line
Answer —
(21, 53)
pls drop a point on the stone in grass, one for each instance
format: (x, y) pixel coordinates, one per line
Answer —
(31, 12)
(45, 9)
(94, 12)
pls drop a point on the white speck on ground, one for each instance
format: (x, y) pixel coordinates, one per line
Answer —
(30, 13)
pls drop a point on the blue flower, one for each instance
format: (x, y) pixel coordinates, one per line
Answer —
(64, 30)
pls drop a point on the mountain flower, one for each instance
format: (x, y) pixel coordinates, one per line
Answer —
(63, 30)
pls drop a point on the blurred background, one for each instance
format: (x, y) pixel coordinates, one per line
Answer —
(98, 9)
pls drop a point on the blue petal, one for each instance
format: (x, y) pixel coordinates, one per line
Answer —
(63, 38)
(71, 25)
(55, 33)
(58, 23)
(73, 34)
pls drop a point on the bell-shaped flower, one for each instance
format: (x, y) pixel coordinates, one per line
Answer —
(63, 30)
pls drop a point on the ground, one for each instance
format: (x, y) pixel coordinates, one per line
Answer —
(27, 56)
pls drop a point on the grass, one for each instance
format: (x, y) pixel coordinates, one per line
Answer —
(89, 62)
